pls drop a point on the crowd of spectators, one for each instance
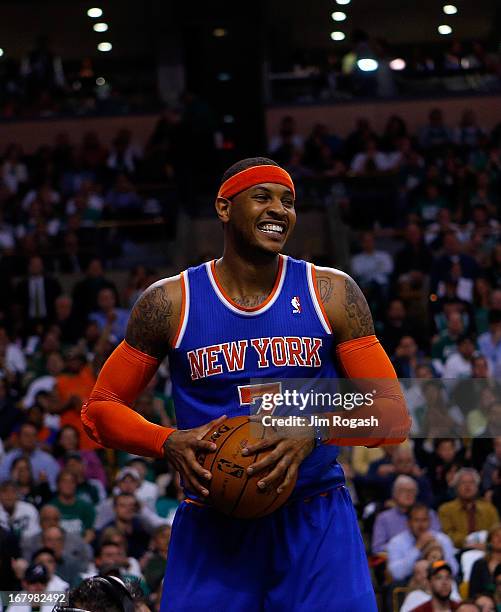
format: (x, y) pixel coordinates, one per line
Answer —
(429, 261)
(421, 213)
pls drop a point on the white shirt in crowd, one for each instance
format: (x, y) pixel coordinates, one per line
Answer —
(148, 493)
(456, 366)
(372, 267)
(23, 520)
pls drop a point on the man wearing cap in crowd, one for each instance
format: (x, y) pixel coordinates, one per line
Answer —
(440, 577)
(35, 580)
(128, 480)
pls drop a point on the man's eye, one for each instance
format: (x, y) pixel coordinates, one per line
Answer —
(288, 203)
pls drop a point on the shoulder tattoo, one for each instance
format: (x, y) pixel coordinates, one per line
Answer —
(357, 311)
(150, 323)
(325, 288)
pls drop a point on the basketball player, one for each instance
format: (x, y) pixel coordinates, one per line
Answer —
(252, 313)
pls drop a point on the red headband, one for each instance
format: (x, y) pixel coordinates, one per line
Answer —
(253, 176)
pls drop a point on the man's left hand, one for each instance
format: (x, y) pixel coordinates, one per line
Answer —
(283, 461)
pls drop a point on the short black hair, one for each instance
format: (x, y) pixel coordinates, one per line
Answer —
(243, 164)
(94, 597)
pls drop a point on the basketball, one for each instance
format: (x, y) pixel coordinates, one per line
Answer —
(232, 491)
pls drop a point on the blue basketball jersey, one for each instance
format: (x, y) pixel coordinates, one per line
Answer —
(221, 347)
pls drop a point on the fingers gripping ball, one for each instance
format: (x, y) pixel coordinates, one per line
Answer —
(232, 490)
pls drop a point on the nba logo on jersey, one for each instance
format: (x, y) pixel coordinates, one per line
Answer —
(296, 305)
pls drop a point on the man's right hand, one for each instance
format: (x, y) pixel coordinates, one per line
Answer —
(181, 449)
(424, 539)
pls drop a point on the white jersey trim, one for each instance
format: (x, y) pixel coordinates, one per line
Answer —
(182, 326)
(313, 295)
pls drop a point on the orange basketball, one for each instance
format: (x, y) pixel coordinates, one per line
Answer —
(231, 490)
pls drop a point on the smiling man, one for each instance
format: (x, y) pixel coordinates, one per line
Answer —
(253, 313)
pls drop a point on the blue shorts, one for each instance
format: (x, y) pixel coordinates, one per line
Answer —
(307, 556)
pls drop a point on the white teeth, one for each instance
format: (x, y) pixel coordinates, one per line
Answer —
(269, 227)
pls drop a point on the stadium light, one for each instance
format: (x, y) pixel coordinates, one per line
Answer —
(343, 1)
(104, 47)
(450, 9)
(444, 29)
(94, 13)
(1, 52)
(219, 32)
(100, 27)
(398, 64)
(100, 81)
(367, 64)
(338, 16)
(338, 35)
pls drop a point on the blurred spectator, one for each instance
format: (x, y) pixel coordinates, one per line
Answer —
(18, 516)
(415, 258)
(37, 293)
(123, 156)
(407, 547)
(482, 573)
(88, 489)
(393, 521)
(14, 172)
(109, 313)
(491, 469)
(370, 161)
(127, 521)
(73, 388)
(66, 568)
(459, 363)
(128, 481)
(35, 580)
(485, 602)
(468, 133)
(456, 267)
(74, 547)
(489, 343)
(155, 560)
(395, 326)
(371, 268)
(406, 358)
(77, 515)
(46, 557)
(441, 579)
(287, 141)
(467, 514)
(68, 442)
(436, 134)
(402, 463)
(41, 462)
(42, 69)
(85, 292)
(35, 493)
(148, 492)
(122, 201)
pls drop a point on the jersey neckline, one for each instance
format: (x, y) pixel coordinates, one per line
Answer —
(253, 310)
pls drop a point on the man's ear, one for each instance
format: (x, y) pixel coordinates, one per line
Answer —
(223, 209)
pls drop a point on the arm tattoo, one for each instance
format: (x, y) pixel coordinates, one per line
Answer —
(324, 286)
(357, 311)
(150, 323)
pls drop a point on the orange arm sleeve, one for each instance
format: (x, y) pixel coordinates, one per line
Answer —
(365, 359)
(106, 415)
